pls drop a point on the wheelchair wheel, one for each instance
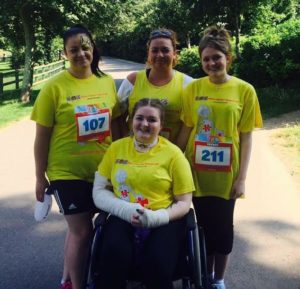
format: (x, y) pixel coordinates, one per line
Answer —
(186, 283)
(91, 273)
(197, 255)
(204, 275)
(196, 258)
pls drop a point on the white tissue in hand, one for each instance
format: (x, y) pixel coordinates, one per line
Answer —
(43, 208)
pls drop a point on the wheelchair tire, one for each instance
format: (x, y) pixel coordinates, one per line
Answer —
(91, 272)
(196, 259)
(203, 257)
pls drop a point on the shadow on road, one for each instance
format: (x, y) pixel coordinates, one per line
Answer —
(253, 263)
(31, 253)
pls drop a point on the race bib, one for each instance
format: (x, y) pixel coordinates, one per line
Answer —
(209, 157)
(92, 122)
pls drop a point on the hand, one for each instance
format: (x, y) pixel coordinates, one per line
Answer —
(238, 189)
(150, 219)
(40, 186)
(135, 218)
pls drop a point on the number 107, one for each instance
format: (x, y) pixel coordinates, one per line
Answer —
(93, 124)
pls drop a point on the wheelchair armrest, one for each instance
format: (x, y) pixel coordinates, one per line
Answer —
(101, 218)
(191, 219)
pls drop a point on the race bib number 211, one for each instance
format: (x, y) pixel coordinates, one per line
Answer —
(213, 157)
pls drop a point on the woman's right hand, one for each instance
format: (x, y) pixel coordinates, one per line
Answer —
(40, 187)
(150, 219)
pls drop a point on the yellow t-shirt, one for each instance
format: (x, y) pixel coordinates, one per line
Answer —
(151, 178)
(217, 113)
(169, 94)
(79, 110)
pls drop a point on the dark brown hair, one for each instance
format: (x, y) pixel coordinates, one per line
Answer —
(152, 102)
(164, 33)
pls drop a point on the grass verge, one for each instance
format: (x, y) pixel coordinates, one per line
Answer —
(287, 140)
(12, 109)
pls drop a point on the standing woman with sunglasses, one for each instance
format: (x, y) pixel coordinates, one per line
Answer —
(159, 81)
(73, 115)
(220, 112)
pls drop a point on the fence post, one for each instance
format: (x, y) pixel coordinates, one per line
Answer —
(1, 83)
(17, 78)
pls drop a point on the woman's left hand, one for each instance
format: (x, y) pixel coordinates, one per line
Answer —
(238, 189)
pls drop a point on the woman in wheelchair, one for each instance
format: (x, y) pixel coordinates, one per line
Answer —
(145, 183)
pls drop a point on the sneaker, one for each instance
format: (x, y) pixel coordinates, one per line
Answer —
(66, 285)
(218, 286)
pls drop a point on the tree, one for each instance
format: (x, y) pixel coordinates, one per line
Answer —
(40, 21)
(24, 18)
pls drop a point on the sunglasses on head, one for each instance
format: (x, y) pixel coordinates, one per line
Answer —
(160, 33)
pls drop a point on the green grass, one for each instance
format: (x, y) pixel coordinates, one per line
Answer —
(289, 136)
(12, 109)
(4, 66)
(289, 139)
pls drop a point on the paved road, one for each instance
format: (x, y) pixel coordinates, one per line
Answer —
(267, 246)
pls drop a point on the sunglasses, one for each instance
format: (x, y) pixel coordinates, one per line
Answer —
(160, 33)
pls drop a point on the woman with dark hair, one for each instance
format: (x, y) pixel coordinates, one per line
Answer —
(219, 114)
(159, 80)
(73, 114)
(145, 183)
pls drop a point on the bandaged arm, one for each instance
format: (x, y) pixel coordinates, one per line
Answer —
(177, 210)
(105, 200)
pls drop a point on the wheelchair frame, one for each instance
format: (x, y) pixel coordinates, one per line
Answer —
(195, 276)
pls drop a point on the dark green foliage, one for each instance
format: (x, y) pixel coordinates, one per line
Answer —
(273, 57)
(276, 100)
(131, 46)
(189, 62)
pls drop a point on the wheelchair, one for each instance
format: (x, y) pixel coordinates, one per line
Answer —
(191, 268)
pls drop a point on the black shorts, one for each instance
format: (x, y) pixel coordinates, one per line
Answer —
(73, 196)
(215, 215)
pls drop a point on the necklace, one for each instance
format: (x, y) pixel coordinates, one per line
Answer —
(144, 147)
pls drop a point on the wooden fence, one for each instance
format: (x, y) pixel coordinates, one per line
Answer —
(40, 74)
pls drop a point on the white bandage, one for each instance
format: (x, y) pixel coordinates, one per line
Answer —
(152, 219)
(108, 202)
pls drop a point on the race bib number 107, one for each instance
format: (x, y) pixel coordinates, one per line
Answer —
(92, 124)
(213, 157)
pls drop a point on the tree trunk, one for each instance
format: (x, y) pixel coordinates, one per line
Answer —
(27, 22)
(237, 30)
(188, 40)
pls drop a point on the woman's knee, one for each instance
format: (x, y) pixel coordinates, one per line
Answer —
(79, 226)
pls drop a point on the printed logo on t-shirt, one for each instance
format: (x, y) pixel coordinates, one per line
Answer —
(126, 192)
(73, 98)
(212, 150)
(120, 161)
(197, 98)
